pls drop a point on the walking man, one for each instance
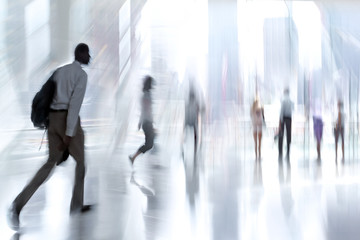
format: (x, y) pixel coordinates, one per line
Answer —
(287, 107)
(64, 133)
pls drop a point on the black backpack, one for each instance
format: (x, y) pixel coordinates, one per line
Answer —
(41, 104)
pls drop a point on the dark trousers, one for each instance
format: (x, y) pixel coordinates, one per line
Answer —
(337, 132)
(285, 123)
(194, 127)
(56, 132)
(149, 137)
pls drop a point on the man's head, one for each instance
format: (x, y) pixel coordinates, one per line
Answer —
(148, 81)
(191, 94)
(82, 53)
(340, 104)
(257, 98)
(286, 91)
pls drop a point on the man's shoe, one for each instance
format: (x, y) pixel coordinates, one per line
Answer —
(86, 208)
(131, 160)
(83, 209)
(13, 218)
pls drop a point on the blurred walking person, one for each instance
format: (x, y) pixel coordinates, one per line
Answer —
(192, 114)
(318, 127)
(258, 121)
(146, 119)
(64, 133)
(339, 128)
(287, 107)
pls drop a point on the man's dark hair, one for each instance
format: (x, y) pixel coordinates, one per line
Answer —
(82, 53)
(147, 83)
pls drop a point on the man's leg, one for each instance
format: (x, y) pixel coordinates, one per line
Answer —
(76, 150)
(336, 142)
(281, 135)
(259, 137)
(288, 136)
(255, 142)
(195, 139)
(342, 143)
(149, 137)
(149, 141)
(184, 135)
(34, 184)
(42, 174)
(27, 192)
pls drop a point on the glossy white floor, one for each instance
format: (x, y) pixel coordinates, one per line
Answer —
(224, 194)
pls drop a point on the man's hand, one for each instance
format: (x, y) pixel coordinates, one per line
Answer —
(65, 144)
(67, 140)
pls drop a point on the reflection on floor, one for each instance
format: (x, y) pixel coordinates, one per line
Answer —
(165, 196)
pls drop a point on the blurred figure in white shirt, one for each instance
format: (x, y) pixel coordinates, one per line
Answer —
(287, 107)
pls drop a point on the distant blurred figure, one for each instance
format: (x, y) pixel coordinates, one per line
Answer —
(258, 120)
(287, 107)
(318, 127)
(64, 132)
(146, 119)
(339, 128)
(192, 114)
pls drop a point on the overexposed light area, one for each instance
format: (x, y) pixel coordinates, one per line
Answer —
(124, 18)
(251, 16)
(194, 42)
(38, 33)
(38, 49)
(3, 12)
(181, 34)
(36, 15)
(125, 39)
(307, 18)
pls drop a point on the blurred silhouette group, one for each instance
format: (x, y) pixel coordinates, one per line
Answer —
(66, 136)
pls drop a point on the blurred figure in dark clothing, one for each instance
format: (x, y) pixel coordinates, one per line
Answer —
(318, 127)
(146, 119)
(287, 107)
(339, 128)
(192, 114)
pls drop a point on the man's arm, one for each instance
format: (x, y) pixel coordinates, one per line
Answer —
(75, 105)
